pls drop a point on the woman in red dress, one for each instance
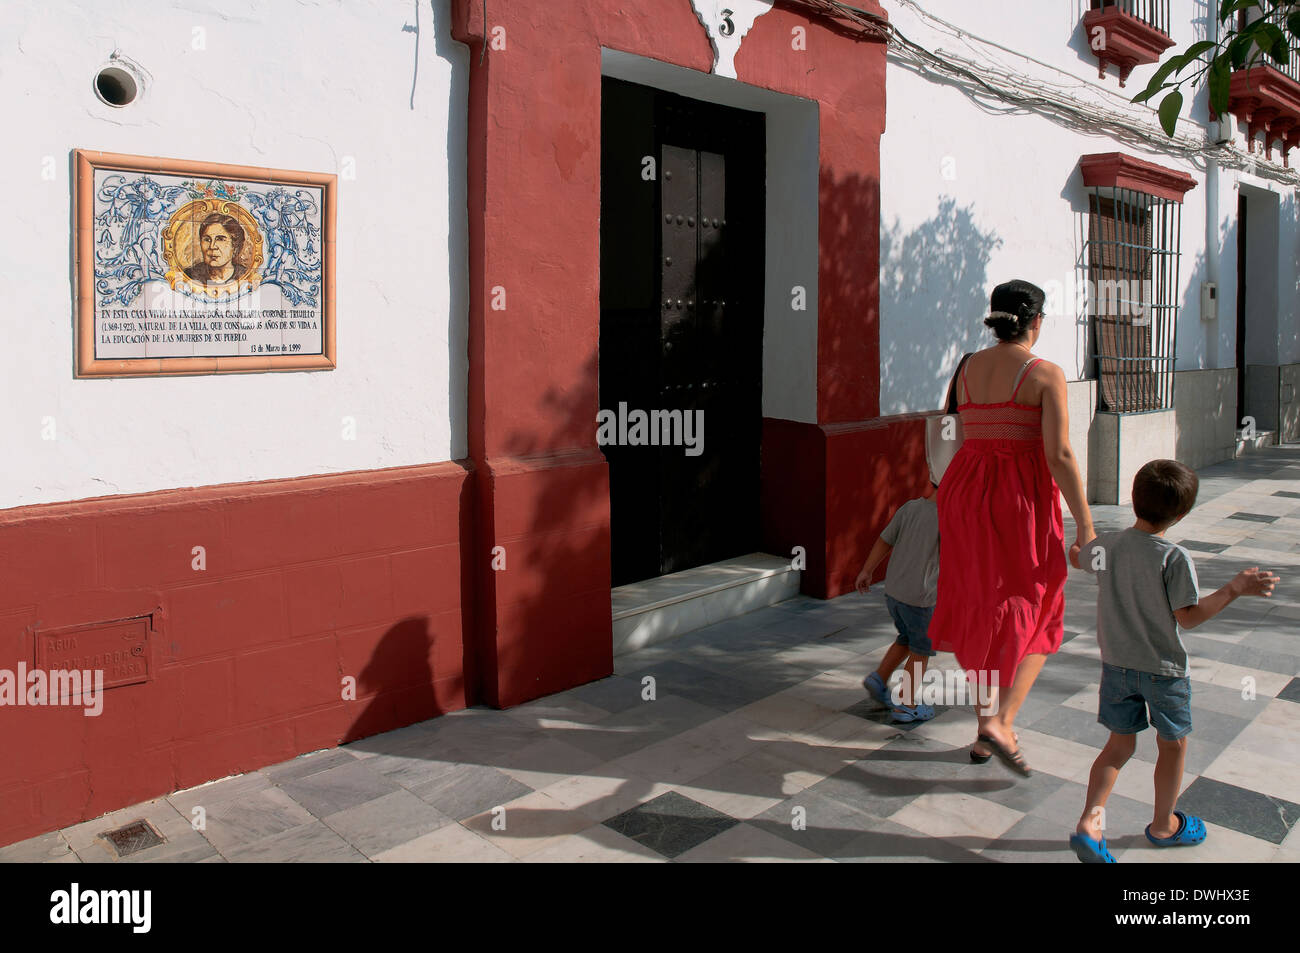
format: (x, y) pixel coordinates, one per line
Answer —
(1002, 561)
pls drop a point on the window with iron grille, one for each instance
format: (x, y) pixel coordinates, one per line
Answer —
(1133, 263)
(1278, 16)
(1154, 13)
(1127, 33)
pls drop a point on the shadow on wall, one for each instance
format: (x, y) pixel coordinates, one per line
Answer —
(934, 288)
(1072, 304)
(1081, 42)
(1202, 11)
(400, 677)
(1209, 333)
(846, 284)
(555, 585)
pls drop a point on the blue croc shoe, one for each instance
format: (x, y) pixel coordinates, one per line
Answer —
(1091, 851)
(904, 714)
(877, 689)
(1191, 831)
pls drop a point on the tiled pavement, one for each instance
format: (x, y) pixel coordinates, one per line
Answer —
(759, 746)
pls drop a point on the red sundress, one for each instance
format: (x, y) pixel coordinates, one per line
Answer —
(1002, 564)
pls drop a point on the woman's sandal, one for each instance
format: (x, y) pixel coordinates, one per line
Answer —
(1191, 831)
(1012, 759)
(983, 758)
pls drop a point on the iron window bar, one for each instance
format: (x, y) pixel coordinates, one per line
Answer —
(1133, 263)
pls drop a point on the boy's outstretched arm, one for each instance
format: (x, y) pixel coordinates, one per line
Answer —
(874, 558)
(1248, 582)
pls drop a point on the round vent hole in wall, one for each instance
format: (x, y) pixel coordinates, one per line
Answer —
(115, 86)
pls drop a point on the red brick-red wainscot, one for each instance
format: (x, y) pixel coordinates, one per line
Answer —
(306, 582)
(832, 488)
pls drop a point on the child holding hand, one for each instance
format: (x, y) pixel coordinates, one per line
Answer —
(1147, 594)
(911, 541)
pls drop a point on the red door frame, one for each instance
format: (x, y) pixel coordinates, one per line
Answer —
(542, 494)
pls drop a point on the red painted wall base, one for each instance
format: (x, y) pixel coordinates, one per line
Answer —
(544, 575)
(831, 488)
(305, 582)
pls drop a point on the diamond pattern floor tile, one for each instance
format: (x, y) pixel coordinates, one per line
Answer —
(671, 824)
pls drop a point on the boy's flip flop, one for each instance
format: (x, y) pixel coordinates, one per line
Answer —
(1091, 851)
(1012, 759)
(1191, 831)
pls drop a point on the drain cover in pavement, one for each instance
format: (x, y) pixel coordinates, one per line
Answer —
(138, 835)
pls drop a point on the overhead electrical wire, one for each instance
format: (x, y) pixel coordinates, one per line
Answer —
(1009, 91)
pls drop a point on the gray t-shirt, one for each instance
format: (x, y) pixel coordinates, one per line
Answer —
(1141, 580)
(913, 573)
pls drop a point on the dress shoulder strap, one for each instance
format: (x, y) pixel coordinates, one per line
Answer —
(1025, 368)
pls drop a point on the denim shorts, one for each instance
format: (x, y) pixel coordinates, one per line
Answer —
(913, 625)
(1128, 697)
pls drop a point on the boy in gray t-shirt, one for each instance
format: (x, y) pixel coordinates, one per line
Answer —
(911, 541)
(1146, 593)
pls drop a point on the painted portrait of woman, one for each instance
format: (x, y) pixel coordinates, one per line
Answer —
(221, 243)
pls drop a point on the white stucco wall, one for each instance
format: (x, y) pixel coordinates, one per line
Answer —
(326, 86)
(971, 197)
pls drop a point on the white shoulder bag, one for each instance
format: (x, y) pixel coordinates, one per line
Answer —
(943, 432)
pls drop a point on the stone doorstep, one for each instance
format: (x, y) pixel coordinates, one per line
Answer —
(1261, 439)
(663, 608)
(692, 583)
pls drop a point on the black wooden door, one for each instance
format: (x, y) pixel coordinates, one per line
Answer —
(681, 325)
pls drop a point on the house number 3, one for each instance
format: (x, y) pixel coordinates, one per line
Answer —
(727, 22)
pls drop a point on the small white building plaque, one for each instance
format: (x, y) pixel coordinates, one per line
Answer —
(727, 22)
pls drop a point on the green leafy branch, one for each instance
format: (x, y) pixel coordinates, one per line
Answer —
(1238, 47)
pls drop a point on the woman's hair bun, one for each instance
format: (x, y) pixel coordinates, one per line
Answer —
(1013, 307)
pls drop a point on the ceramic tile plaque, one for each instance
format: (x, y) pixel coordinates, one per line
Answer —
(194, 268)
